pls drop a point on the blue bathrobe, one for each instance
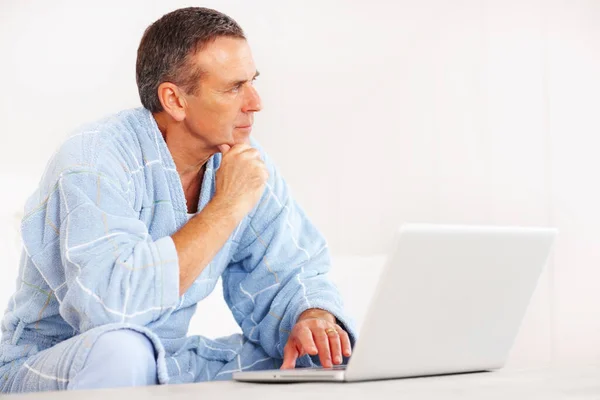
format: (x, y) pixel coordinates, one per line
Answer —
(98, 256)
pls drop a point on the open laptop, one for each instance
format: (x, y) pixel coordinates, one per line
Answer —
(450, 299)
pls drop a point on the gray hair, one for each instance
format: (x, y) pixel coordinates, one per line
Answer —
(168, 45)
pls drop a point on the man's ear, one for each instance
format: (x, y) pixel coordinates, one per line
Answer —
(172, 100)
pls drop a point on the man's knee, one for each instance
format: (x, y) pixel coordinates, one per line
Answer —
(125, 346)
(118, 358)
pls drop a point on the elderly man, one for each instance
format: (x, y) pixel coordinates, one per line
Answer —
(138, 215)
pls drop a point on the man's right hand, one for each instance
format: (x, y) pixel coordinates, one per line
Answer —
(241, 178)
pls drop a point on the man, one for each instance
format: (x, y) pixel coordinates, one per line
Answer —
(138, 215)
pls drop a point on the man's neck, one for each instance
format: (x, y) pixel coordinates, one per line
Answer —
(189, 155)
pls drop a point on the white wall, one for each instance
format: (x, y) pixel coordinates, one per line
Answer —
(478, 111)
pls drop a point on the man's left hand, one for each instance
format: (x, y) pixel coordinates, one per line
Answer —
(316, 333)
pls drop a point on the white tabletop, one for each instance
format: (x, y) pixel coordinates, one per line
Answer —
(566, 382)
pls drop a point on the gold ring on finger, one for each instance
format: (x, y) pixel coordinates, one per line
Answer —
(331, 330)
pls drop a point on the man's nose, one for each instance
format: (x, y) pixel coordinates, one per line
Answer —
(253, 102)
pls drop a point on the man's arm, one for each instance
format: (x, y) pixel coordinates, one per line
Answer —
(199, 241)
(112, 270)
(278, 284)
(240, 182)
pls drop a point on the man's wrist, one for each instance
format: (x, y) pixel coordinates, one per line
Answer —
(317, 313)
(227, 207)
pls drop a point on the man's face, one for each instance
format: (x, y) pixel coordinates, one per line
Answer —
(222, 110)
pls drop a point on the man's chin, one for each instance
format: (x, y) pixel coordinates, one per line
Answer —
(236, 139)
(242, 140)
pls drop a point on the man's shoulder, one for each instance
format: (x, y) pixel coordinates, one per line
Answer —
(88, 138)
(98, 145)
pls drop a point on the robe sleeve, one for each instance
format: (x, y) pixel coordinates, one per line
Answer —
(280, 270)
(112, 269)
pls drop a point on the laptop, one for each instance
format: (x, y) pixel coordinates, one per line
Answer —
(450, 299)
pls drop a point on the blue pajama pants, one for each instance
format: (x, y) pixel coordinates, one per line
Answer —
(114, 358)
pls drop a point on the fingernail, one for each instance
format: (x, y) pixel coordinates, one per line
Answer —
(338, 360)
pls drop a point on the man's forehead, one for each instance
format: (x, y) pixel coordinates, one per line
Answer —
(227, 58)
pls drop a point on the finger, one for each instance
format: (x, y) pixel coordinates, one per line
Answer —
(335, 345)
(290, 355)
(250, 152)
(345, 341)
(322, 341)
(224, 148)
(305, 337)
(246, 141)
(236, 148)
(261, 166)
(265, 175)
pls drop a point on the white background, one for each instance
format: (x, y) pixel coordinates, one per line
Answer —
(377, 113)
